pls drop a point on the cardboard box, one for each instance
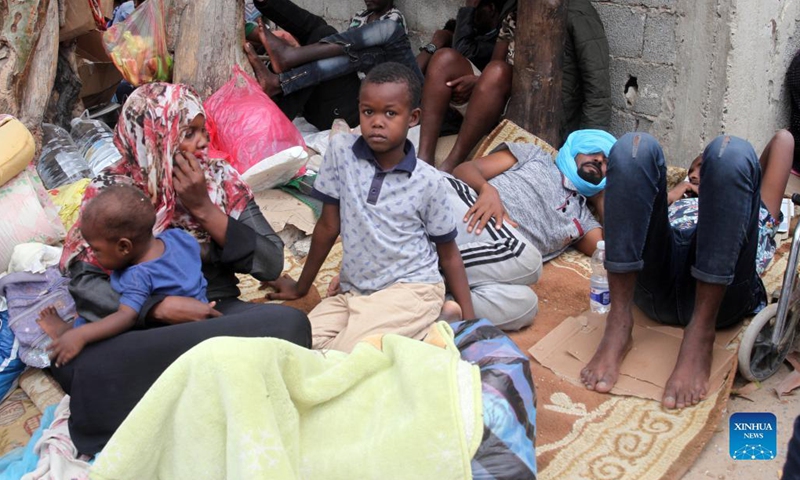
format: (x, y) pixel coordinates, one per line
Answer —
(79, 19)
(98, 74)
(646, 368)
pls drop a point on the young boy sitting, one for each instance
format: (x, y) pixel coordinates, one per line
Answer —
(389, 208)
(118, 226)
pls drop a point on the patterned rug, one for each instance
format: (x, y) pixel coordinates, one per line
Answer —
(586, 435)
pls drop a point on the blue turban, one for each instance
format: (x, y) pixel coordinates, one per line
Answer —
(585, 142)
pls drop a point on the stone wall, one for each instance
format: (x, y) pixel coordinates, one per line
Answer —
(687, 71)
(683, 70)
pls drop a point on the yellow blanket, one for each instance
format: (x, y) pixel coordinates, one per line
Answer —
(264, 408)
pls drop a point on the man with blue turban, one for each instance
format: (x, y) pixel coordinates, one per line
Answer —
(703, 277)
(520, 206)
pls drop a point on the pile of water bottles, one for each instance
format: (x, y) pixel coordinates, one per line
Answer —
(80, 153)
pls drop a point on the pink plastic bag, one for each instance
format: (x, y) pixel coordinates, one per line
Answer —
(245, 123)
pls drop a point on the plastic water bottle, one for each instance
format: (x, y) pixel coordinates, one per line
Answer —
(599, 299)
(95, 141)
(60, 162)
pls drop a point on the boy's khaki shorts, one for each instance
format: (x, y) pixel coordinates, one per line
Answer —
(407, 309)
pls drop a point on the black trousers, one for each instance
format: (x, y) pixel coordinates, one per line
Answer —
(107, 379)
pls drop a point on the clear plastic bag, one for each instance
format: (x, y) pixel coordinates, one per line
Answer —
(138, 46)
(246, 124)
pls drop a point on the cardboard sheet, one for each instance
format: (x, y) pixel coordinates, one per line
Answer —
(79, 19)
(281, 209)
(646, 368)
(99, 75)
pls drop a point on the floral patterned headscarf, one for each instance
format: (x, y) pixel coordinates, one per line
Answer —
(151, 127)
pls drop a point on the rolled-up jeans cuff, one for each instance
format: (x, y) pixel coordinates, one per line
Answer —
(624, 267)
(713, 279)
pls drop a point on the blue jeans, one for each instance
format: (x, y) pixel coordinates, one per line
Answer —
(336, 98)
(720, 249)
(364, 47)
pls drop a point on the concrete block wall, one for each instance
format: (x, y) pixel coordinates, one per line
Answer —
(642, 39)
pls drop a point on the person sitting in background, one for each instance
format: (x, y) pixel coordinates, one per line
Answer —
(376, 35)
(585, 88)
(478, 94)
(472, 37)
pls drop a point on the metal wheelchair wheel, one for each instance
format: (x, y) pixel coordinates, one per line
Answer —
(759, 359)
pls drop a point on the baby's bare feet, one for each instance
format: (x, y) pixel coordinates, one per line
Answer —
(52, 323)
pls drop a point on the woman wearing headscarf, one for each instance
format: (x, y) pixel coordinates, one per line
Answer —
(163, 143)
(521, 206)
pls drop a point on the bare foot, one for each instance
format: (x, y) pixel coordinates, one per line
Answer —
(451, 312)
(277, 49)
(688, 383)
(602, 371)
(267, 80)
(52, 323)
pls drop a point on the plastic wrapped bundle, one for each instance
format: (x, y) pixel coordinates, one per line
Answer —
(509, 402)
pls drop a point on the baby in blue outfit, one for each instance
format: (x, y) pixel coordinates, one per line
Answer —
(118, 225)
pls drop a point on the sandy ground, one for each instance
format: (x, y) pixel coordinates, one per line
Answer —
(715, 461)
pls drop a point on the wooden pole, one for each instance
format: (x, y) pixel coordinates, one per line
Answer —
(539, 54)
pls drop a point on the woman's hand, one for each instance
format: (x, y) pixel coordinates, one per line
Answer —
(190, 184)
(174, 310)
(488, 206)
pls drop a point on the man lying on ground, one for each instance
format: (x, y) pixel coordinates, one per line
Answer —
(519, 207)
(701, 274)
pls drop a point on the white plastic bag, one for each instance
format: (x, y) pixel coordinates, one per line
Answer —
(276, 170)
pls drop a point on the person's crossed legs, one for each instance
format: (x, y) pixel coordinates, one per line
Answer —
(339, 54)
(703, 279)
